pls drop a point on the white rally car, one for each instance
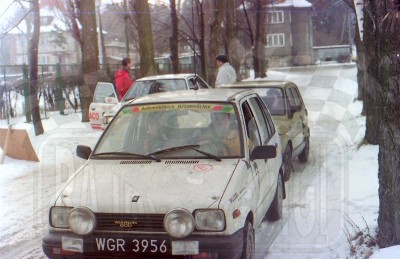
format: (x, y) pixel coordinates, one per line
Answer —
(103, 108)
(186, 173)
(104, 99)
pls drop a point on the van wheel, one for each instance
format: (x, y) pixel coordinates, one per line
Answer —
(287, 163)
(249, 243)
(275, 210)
(303, 157)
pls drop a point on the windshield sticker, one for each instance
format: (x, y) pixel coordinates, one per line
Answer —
(180, 106)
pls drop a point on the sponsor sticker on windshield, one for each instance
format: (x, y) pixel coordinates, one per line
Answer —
(180, 106)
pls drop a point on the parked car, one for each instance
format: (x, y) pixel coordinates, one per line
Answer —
(104, 99)
(154, 84)
(181, 173)
(287, 108)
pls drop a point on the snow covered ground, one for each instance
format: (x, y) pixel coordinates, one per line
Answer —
(332, 201)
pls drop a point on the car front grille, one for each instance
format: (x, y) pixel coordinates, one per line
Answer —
(130, 222)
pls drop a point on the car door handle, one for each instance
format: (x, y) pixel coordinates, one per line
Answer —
(93, 109)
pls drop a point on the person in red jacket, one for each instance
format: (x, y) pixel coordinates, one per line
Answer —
(123, 79)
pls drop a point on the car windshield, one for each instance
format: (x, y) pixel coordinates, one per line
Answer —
(274, 100)
(174, 130)
(146, 87)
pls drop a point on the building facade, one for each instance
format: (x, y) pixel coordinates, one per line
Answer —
(289, 33)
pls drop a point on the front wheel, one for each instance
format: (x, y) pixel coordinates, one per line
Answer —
(303, 157)
(248, 251)
(275, 210)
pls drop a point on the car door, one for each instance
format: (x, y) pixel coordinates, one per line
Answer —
(296, 114)
(268, 178)
(105, 97)
(256, 137)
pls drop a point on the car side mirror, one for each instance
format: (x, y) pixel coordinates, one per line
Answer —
(83, 151)
(263, 152)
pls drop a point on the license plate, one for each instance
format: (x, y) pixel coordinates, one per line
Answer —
(122, 245)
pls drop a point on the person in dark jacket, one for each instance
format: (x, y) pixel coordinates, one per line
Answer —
(123, 79)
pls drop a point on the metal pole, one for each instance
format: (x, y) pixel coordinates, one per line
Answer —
(44, 95)
(6, 100)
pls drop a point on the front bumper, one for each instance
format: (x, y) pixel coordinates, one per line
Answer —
(117, 245)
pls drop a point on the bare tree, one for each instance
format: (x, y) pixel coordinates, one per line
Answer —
(90, 53)
(254, 12)
(382, 44)
(145, 38)
(174, 38)
(231, 48)
(33, 69)
(218, 7)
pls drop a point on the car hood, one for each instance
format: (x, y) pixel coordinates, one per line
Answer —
(132, 186)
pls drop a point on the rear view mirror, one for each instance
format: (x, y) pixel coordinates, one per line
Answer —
(83, 151)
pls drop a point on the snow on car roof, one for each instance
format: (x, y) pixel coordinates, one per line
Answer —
(258, 83)
(202, 95)
(167, 76)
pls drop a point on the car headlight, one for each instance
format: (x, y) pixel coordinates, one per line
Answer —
(81, 221)
(59, 217)
(179, 223)
(209, 220)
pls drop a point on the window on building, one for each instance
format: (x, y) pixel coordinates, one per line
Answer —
(43, 60)
(275, 17)
(275, 40)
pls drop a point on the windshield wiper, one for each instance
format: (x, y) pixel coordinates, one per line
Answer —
(192, 147)
(150, 156)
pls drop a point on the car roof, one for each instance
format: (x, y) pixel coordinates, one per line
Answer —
(258, 84)
(201, 95)
(167, 76)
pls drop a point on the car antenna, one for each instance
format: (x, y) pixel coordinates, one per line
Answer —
(196, 87)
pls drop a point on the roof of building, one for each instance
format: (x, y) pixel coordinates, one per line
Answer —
(291, 3)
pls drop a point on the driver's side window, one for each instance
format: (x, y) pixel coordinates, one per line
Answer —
(253, 135)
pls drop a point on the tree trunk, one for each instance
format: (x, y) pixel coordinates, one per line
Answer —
(259, 42)
(33, 69)
(389, 145)
(144, 28)
(202, 40)
(90, 54)
(173, 40)
(371, 94)
(231, 33)
(215, 38)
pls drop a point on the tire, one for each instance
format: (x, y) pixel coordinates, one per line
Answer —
(275, 210)
(287, 163)
(303, 157)
(249, 243)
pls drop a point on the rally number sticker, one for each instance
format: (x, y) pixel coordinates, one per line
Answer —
(94, 115)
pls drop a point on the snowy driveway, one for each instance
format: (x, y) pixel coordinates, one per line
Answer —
(318, 196)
